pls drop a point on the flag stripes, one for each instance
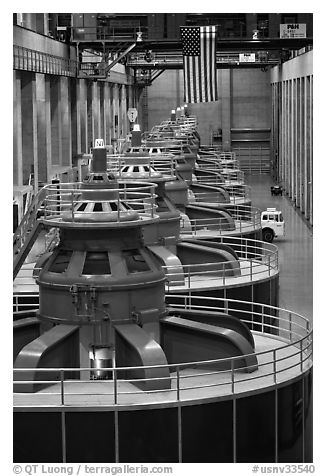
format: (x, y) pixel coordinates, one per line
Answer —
(200, 76)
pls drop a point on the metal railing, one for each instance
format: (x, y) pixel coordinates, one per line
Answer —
(256, 260)
(254, 160)
(163, 164)
(31, 60)
(25, 302)
(246, 219)
(236, 192)
(216, 179)
(291, 356)
(111, 32)
(62, 201)
(28, 222)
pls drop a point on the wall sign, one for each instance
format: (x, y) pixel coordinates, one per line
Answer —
(132, 114)
(293, 30)
(247, 57)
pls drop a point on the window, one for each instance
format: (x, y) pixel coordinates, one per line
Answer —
(96, 263)
(61, 261)
(98, 207)
(82, 207)
(135, 261)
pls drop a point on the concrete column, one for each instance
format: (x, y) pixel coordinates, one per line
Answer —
(17, 131)
(131, 97)
(29, 21)
(65, 121)
(43, 126)
(123, 112)
(224, 81)
(46, 23)
(81, 112)
(56, 130)
(101, 109)
(292, 156)
(29, 127)
(73, 113)
(106, 114)
(283, 132)
(95, 112)
(39, 22)
(115, 109)
(301, 142)
(89, 122)
(310, 126)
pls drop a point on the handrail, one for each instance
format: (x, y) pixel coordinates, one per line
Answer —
(293, 353)
(234, 191)
(40, 62)
(165, 164)
(62, 200)
(256, 258)
(28, 221)
(246, 217)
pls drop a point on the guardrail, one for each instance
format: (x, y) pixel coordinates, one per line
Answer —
(293, 353)
(163, 164)
(216, 180)
(31, 60)
(236, 192)
(73, 201)
(254, 160)
(25, 302)
(257, 260)
(247, 219)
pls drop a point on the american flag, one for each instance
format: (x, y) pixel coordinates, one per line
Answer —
(199, 63)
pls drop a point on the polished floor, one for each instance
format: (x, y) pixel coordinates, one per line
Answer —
(295, 249)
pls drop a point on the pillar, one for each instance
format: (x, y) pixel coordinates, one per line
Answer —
(17, 131)
(115, 108)
(73, 112)
(81, 113)
(65, 121)
(224, 82)
(95, 112)
(56, 130)
(29, 127)
(106, 113)
(123, 112)
(46, 23)
(101, 110)
(44, 151)
(89, 117)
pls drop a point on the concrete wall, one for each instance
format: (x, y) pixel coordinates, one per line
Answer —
(166, 93)
(292, 130)
(244, 101)
(250, 98)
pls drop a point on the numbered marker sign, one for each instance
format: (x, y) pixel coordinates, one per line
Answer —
(132, 114)
(293, 30)
(247, 57)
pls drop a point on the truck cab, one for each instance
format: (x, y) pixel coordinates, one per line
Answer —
(272, 223)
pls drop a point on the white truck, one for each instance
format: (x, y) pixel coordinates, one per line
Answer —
(272, 223)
